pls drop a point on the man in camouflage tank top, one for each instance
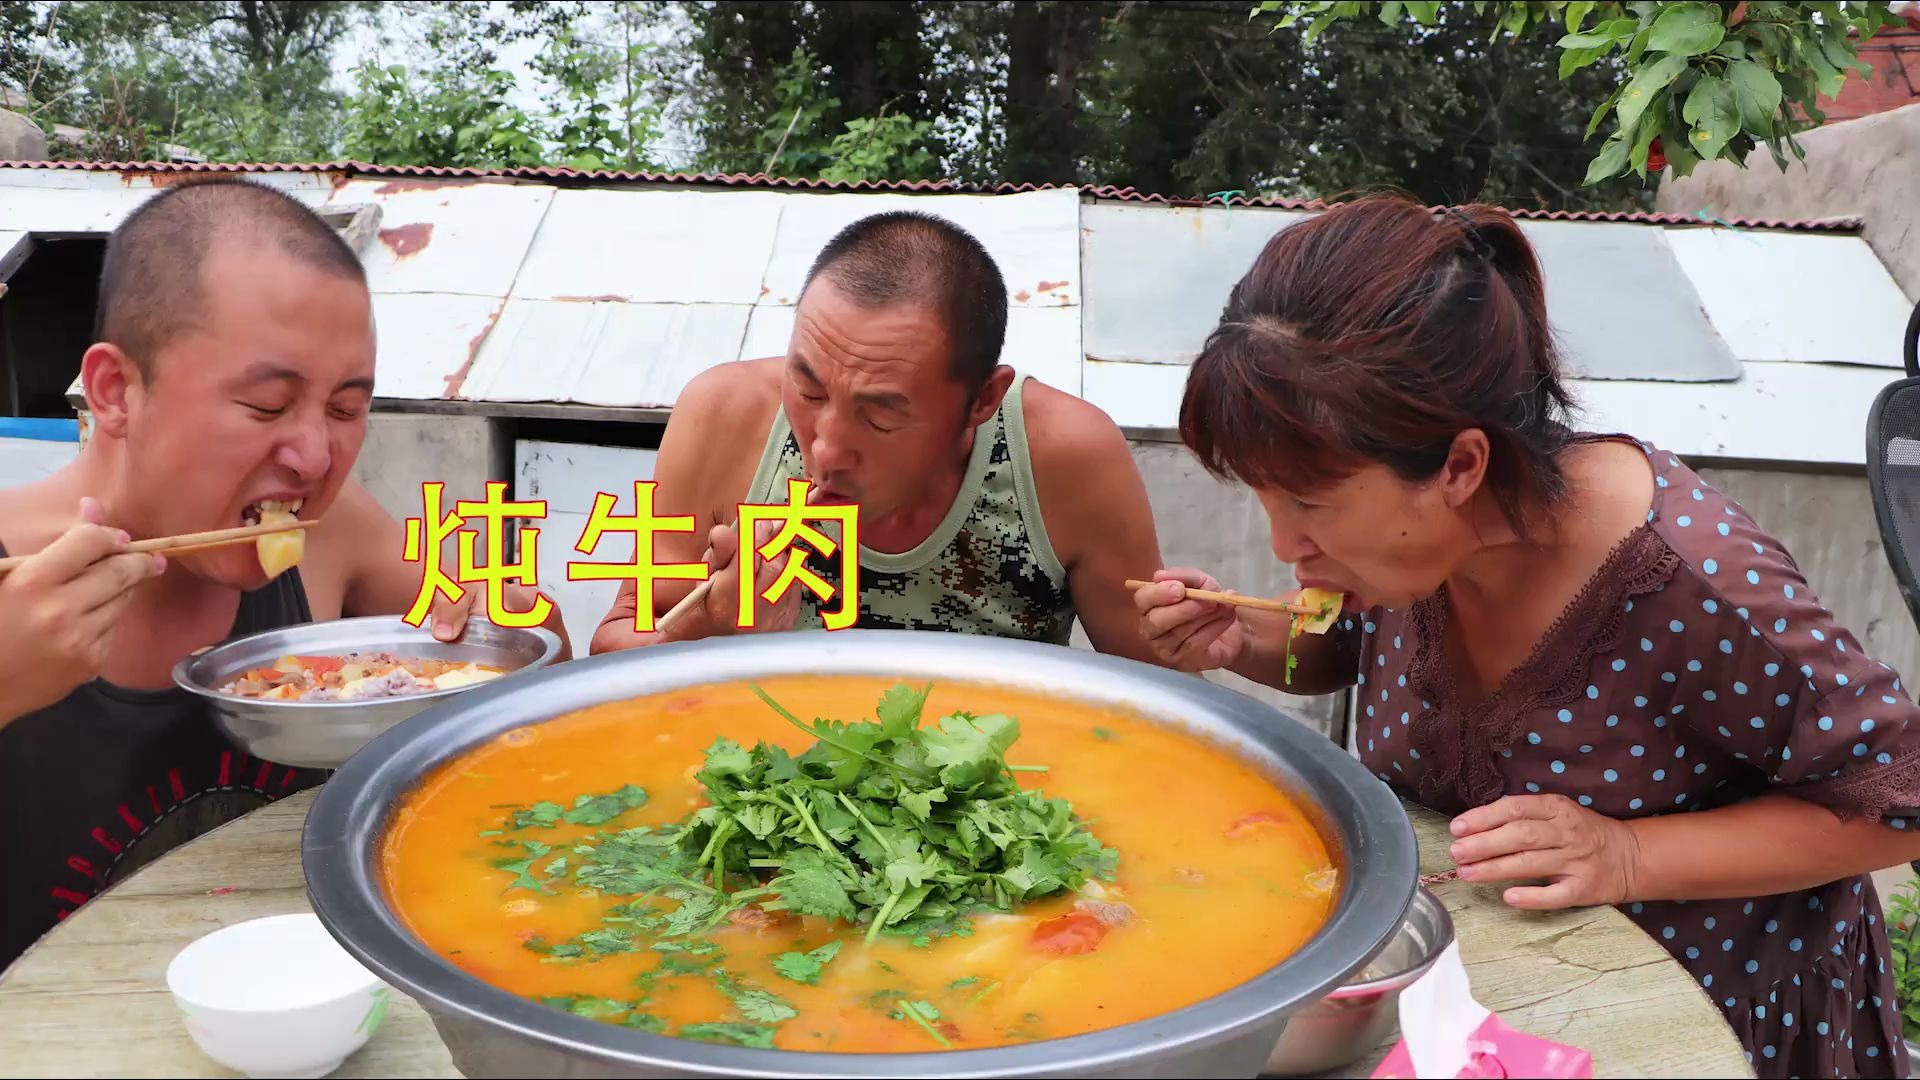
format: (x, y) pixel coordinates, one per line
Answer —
(990, 502)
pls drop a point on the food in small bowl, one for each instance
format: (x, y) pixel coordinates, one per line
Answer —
(312, 695)
(356, 676)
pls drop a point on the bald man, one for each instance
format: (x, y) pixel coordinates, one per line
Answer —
(233, 367)
(990, 503)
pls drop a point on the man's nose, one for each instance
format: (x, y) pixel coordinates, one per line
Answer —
(305, 452)
(832, 452)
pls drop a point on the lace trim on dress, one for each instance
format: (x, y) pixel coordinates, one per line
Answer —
(1869, 793)
(1464, 739)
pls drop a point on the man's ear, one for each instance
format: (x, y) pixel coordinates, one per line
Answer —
(990, 396)
(108, 377)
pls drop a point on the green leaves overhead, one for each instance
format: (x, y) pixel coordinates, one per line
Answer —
(1714, 114)
(1707, 81)
(1757, 93)
(1687, 29)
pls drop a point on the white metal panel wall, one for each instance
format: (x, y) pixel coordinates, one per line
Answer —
(24, 461)
(568, 476)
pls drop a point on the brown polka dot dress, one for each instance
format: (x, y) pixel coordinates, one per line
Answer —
(1695, 670)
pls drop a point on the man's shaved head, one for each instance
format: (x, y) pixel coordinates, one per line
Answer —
(150, 283)
(906, 257)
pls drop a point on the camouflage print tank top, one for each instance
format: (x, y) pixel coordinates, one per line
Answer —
(986, 569)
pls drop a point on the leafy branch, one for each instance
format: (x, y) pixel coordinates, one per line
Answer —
(1703, 81)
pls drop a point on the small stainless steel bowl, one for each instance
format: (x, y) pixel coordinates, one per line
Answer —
(1348, 1023)
(324, 734)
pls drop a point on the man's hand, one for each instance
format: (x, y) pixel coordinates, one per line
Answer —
(720, 613)
(1588, 858)
(449, 617)
(59, 610)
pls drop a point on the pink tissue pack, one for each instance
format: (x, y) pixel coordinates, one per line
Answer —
(1444, 1034)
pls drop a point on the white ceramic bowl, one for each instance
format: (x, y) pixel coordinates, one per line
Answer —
(276, 997)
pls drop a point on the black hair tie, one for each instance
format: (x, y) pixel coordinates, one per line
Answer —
(1476, 240)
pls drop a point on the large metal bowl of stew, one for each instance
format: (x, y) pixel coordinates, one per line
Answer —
(492, 1032)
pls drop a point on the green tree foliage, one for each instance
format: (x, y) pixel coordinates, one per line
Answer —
(1449, 101)
(1699, 81)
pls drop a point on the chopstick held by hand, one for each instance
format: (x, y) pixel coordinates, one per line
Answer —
(699, 594)
(188, 543)
(1234, 599)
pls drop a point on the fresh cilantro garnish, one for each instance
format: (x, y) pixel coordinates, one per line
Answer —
(646, 1022)
(921, 1012)
(600, 809)
(1104, 735)
(756, 1036)
(542, 814)
(755, 1004)
(589, 1006)
(806, 967)
(886, 824)
(587, 810)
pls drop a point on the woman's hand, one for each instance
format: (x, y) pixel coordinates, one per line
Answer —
(1588, 858)
(1190, 635)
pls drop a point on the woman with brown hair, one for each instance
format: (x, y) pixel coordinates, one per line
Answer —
(1617, 683)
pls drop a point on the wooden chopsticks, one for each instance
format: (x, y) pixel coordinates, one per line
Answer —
(1259, 602)
(699, 594)
(188, 543)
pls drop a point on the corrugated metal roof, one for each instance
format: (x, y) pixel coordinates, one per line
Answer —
(1798, 299)
(1602, 278)
(489, 288)
(1775, 412)
(761, 180)
(431, 242)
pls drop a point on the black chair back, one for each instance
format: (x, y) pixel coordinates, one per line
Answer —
(1893, 469)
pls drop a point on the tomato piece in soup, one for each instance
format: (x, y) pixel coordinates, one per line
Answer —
(320, 665)
(1070, 934)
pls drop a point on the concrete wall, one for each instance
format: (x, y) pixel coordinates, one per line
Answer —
(1222, 529)
(405, 451)
(1868, 167)
(1826, 521)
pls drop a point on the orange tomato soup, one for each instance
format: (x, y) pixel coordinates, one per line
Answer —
(1220, 876)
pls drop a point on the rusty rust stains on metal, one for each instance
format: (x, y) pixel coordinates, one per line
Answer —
(459, 378)
(407, 240)
(1049, 286)
(1022, 296)
(608, 298)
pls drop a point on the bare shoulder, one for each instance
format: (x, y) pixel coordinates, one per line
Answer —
(34, 515)
(1093, 499)
(701, 470)
(1066, 431)
(734, 392)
